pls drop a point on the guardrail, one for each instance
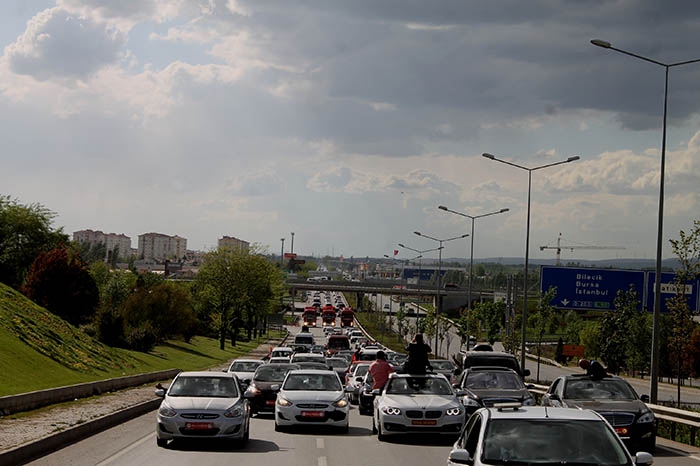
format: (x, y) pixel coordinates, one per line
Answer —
(674, 416)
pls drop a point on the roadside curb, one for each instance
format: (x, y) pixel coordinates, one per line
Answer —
(46, 445)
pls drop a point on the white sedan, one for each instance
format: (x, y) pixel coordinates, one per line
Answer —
(417, 404)
(311, 397)
(203, 405)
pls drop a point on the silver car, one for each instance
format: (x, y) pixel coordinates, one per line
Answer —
(203, 405)
(513, 434)
(312, 397)
(417, 404)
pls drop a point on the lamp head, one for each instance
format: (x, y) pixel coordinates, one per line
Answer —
(572, 159)
(601, 43)
(488, 156)
(401, 245)
(442, 207)
(417, 233)
(503, 210)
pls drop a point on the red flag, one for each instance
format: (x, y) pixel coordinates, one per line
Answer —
(396, 251)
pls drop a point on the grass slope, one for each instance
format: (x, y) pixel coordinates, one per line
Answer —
(39, 350)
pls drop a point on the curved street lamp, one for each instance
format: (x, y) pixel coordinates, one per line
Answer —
(471, 249)
(654, 369)
(527, 237)
(438, 301)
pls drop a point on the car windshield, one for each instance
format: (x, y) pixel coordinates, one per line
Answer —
(419, 386)
(532, 442)
(273, 373)
(244, 366)
(314, 382)
(442, 365)
(218, 387)
(361, 370)
(604, 389)
(486, 380)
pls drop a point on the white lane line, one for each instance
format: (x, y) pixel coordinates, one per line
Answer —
(109, 460)
(322, 461)
(320, 443)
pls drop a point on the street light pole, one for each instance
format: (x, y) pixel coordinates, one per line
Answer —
(527, 238)
(438, 302)
(282, 253)
(471, 250)
(292, 250)
(654, 370)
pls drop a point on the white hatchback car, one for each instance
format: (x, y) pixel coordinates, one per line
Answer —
(515, 434)
(311, 397)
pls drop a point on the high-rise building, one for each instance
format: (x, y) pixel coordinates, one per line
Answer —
(233, 243)
(112, 241)
(160, 247)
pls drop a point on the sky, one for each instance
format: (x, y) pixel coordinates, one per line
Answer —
(349, 122)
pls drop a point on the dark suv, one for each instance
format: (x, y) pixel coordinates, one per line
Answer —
(467, 359)
(613, 398)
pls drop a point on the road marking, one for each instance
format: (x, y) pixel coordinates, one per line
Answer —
(320, 443)
(127, 449)
(322, 461)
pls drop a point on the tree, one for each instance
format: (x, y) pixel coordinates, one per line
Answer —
(25, 231)
(237, 286)
(60, 281)
(543, 319)
(616, 343)
(491, 315)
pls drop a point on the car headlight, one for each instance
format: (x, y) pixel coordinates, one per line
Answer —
(234, 411)
(283, 401)
(453, 411)
(166, 411)
(468, 401)
(646, 418)
(391, 411)
(341, 403)
(252, 389)
(529, 401)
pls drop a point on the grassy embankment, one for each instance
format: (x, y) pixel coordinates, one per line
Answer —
(39, 350)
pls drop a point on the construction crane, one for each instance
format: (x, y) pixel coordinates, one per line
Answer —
(559, 247)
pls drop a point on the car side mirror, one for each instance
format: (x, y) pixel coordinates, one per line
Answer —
(643, 458)
(160, 392)
(526, 372)
(460, 456)
(530, 386)
(377, 391)
(460, 392)
(645, 398)
(359, 379)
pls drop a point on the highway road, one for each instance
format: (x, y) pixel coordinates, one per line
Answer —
(134, 444)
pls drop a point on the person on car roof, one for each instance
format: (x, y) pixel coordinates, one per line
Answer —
(418, 351)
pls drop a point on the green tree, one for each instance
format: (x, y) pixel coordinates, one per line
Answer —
(616, 343)
(25, 231)
(542, 320)
(491, 315)
(60, 281)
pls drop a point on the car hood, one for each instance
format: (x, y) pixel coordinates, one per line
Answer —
(630, 406)
(311, 395)
(419, 401)
(199, 402)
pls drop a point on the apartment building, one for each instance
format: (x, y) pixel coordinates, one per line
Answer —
(160, 247)
(233, 243)
(112, 241)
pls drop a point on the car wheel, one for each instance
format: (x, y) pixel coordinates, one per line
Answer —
(161, 442)
(374, 426)
(354, 400)
(345, 429)
(278, 428)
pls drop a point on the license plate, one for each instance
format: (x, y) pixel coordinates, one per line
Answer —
(422, 422)
(312, 414)
(621, 430)
(199, 425)
(269, 402)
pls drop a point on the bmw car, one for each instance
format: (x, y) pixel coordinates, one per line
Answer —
(417, 404)
(203, 405)
(615, 399)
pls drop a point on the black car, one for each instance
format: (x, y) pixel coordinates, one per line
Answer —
(263, 387)
(366, 397)
(613, 398)
(467, 359)
(487, 386)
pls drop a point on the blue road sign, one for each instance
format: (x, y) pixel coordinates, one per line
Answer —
(668, 290)
(589, 289)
